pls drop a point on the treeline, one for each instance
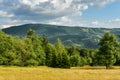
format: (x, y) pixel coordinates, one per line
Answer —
(33, 50)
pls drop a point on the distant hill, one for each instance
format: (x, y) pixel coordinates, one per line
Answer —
(71, 36)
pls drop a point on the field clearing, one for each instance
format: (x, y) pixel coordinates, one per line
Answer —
(45, 73)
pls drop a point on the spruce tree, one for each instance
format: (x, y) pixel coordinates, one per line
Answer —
(62, 56)
(50, 51)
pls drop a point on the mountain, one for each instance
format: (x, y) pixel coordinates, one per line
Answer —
(71, 36)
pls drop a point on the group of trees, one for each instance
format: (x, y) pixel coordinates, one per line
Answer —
(33, 50)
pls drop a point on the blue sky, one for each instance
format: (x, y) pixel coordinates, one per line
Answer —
(85, 13)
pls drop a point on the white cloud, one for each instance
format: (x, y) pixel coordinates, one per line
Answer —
(114, 20)
(8, 23)
(62, 20)
(95, 23)
(33, 3)
(114, 23)
(61, 4)
(101, 3)
(4, 14)
(48, 9)
(42, 10)
(5, 26)
(60, 12)
(67, 21)
(82, 7)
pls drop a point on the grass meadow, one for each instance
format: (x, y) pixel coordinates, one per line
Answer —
(45, 73)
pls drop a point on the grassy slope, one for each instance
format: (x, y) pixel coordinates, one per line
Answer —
(44, 73)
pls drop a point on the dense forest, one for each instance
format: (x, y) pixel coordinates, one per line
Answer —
(34, 50)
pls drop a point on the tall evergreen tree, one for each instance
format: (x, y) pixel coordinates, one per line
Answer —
(50, 51)
(62, 56)
(108, 50)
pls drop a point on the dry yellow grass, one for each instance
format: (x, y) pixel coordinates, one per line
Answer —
(45, 73)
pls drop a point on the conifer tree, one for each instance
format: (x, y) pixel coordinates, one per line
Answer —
(62, 56)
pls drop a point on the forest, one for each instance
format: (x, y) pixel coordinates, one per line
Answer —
(34, 50)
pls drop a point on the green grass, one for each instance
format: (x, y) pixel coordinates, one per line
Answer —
(45, 73)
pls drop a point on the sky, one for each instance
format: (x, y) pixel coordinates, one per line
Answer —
(85, 13)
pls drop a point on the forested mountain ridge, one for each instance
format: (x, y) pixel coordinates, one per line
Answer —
(71, 36)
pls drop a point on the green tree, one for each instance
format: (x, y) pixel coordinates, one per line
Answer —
(75, 60)
(108, 50)
(62, 56)
(30, 33)
(85, 56)
(74, 56)
(8, 50)
(38, 51)
(50, 55)
(29, 58)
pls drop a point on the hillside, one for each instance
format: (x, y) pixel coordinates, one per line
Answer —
(75, 36)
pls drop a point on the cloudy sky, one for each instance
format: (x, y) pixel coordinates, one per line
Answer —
(86, 13)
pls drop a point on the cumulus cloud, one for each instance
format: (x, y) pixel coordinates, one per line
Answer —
(38, 9)
(47, 10)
